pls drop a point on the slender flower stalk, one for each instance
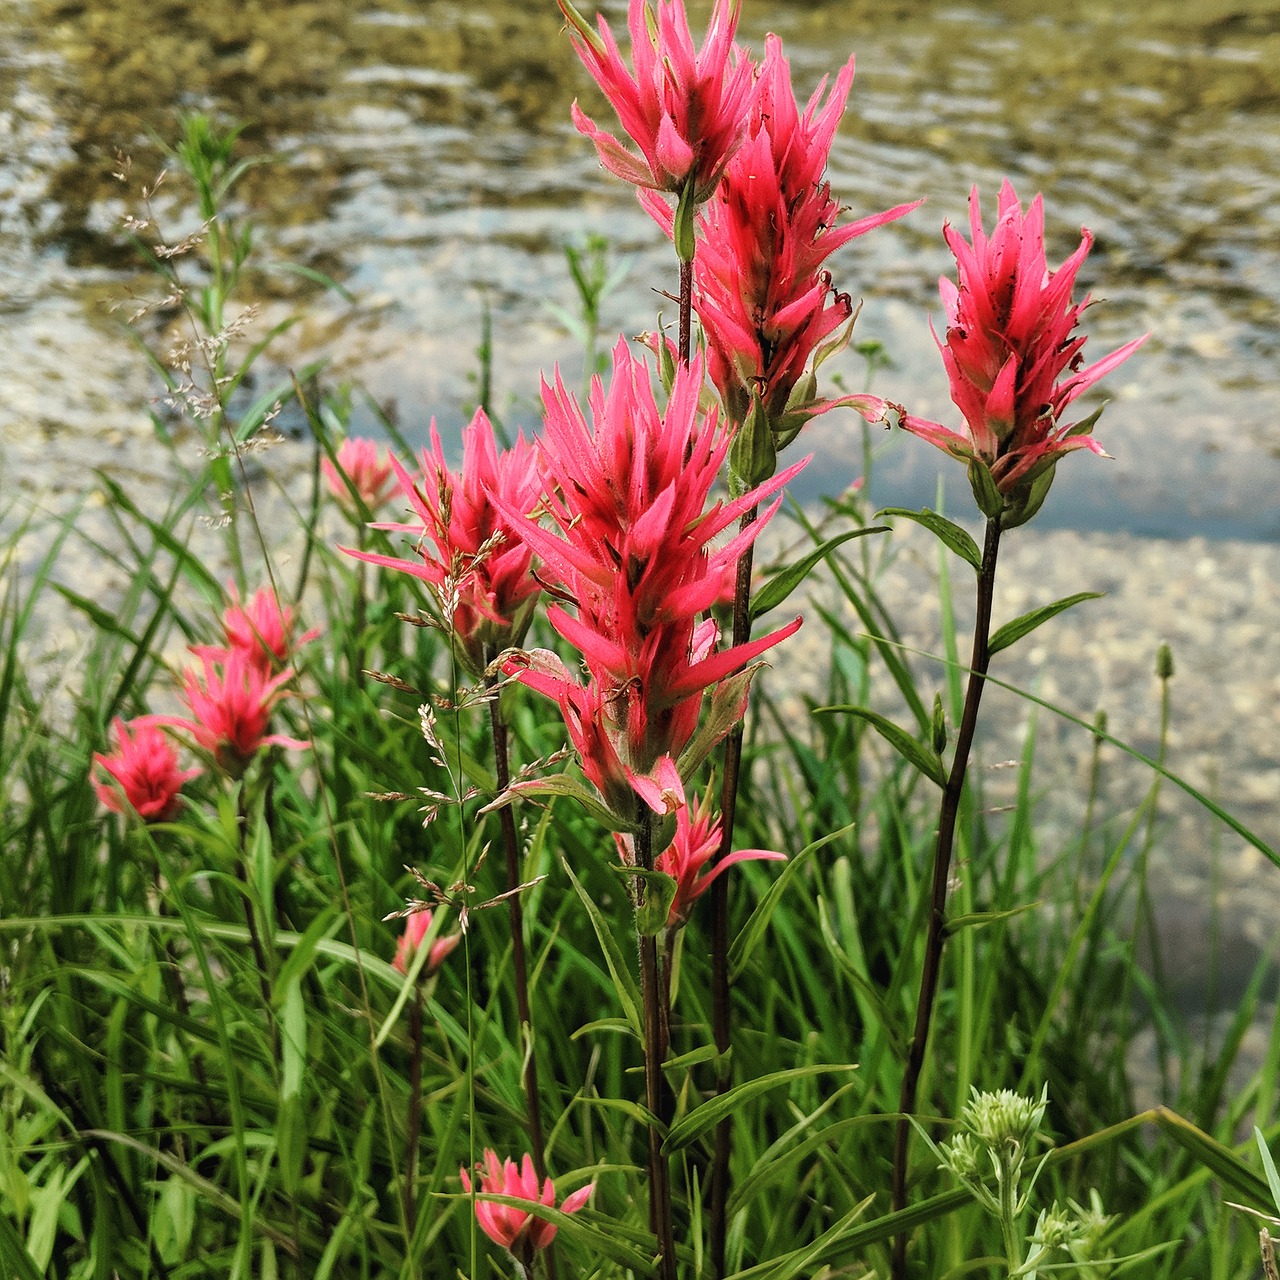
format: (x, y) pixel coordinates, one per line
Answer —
(482, 576)
(1013, 361)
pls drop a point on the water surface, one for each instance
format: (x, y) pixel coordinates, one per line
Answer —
(427, 161)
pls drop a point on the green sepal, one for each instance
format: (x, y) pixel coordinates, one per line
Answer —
(682, 231)
(753, 456)
(989, 498)
(659, 893)
(1030, 496)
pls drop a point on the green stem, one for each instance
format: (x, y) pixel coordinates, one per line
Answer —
(415, 1111)
(934, 937)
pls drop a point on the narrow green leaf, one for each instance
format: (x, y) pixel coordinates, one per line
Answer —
(293, 1040)
(975, 919)
(802, 1260)
(1013, 631)
(927, 761)
(710, 1113)
(618, 971)
(17, 1261)
(300, 958)
(785, 581)
(947, 531)
(1211, 1153)
(749, 938)
(1269, 1166)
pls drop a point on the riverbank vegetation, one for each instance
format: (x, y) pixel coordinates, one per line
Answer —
(361, 896)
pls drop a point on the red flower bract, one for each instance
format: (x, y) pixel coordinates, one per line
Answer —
(416, 928)
(479, 571)
(635, 555)
(521, 1232)
(143, 772)
(1009, 342)
(366, 466)
(764, 299)
(685, 110)
(231, 704)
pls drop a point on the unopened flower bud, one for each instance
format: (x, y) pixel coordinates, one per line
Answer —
(752, 456)
(1164, 662)
(939, 725)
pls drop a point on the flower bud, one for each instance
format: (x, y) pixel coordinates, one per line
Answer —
(1164, 661)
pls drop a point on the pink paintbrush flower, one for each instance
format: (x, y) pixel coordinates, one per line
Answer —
(634, 553)
(1013, 358)
(684, 109)
(262, 631)
(686, 859)
(367, 466)
(517, 1230)
(479, 571)
(416, 928)
(143, 773)
(231, 703)
(768, 306)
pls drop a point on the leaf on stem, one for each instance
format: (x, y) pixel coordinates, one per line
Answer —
(783, 583)
(926, 760)
(947, 531)
(1013, 631)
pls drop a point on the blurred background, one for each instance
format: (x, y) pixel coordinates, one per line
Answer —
(427, 162)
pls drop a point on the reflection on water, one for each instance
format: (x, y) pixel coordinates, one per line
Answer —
(427, 160)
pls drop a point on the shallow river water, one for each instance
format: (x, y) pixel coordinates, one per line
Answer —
(427, 161)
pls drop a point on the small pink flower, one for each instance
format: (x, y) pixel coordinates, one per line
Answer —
(231, 704)
(143, 772)
(696, 842)
(684, 110)
(262, 631)
(367, 466)
(1009, 342)
(478, 569)
(515, 1229)
(415, 929)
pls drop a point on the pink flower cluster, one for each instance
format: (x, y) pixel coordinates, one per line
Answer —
(1009, 341)
(366, 466)
(517, 1230)
(764, 298)
(142, 773)
(467, 553)
(635, 556)
(416, 928)
(684, 109)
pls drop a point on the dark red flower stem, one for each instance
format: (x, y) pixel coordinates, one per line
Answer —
(686, 311)
(935, 935)
(511, 847)
(660, 1216)
(721, 1022)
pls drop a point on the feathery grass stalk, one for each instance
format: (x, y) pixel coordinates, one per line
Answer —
(511, 847)
(660, 1218)
(722, 1028)
(948, 813)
